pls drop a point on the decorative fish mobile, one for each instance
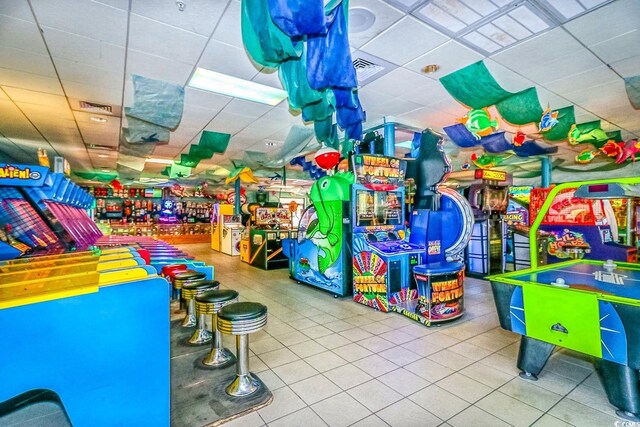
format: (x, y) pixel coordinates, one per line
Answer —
(518, 139)
(576, 136)
(631, 148)
(479, 122)
(548, 120)
(611, 148)
(586, 156)
(488, 161)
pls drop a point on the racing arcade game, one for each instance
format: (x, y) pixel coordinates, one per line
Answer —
(489, 202)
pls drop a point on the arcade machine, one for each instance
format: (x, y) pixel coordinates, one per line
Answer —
(517, 221)
(441, 222)
(382, 258)
(581, 223)
(489, 202)
(30, 197)
(270, 227)
(321, 254)
(232, 229)
(584, 305)
(220, 211)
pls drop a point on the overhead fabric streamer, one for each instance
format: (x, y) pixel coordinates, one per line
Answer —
(265, 43)
(329, 62)
(632, 86)
(293, 75)
(320, 110)
(143, 131)
(521, 108)
(349, 112)
(157, 102)
(298, 18)
(474, 86)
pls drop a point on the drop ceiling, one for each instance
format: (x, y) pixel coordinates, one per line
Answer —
(55, 54)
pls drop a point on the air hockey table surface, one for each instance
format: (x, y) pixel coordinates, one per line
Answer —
(585, 275)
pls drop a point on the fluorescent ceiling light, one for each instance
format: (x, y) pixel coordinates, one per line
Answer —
(238, 88)
(160, 161)
(103, 156)
(99, 119)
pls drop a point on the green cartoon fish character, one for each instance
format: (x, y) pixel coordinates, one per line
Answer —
(576, 136)
(327, 195)
(479, 122)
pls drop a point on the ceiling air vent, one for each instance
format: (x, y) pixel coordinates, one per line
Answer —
(369, 68)
(93, 107)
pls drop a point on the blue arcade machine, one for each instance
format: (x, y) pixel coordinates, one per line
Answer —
(442, 222)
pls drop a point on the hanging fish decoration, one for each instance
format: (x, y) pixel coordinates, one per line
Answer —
(586, 156)
(631, 148)
(465, 166)
(576, 136)
(611, 148)
(488, 161)
(548, 120)
(518, 139)
(479, 122)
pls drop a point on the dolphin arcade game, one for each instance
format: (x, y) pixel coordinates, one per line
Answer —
(382, 258)
(320, 254)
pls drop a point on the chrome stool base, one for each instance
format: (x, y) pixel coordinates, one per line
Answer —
(243, 385)
(200, 336)
(219, 358)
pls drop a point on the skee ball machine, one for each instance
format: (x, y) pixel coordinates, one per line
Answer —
(321, 254)
(382, 258)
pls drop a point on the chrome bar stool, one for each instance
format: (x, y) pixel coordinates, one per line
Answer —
(241, 319)
(170, 270)
(181, 279)
(190, 291)
(212, 302)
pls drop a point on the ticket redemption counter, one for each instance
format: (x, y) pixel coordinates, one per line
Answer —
(271, 227)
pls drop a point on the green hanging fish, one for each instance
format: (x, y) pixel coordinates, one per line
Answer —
(586, 156)
(576, 136)
(327, 195)
(479, 122)
(488, 161)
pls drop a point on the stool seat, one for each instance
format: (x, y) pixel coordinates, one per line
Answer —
(201, 284)
(243, 311)
(219, 295)
(438, 268)
(173, 267)
(189, 275)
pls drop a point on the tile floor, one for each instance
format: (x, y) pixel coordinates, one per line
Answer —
(333, 362)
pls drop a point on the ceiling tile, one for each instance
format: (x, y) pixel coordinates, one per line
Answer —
(450, 57)
(86, 18)
(605, 23)
(205, 99)
(20, 34)
(619, 48)
(165, 41)
(396, 82)
(16, 9)
(40, 112)
(196, 117)
(229, 30)
(584, 80)
(384, 17)
(627, 67)
(393, 44)
(22, 60)
(14, 124)
(85, 50)
(227, 59)
(269, 78)
(507, 78)
(229, 123)
(31, 97)
(92, 93)
(247, 108)
(198, 16)
(111, 77)
(394, 107)
(155, 67)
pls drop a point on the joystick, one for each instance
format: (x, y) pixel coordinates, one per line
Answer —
(609, 266)
(560, 283)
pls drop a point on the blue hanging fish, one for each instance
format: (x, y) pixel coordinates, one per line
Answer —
(549, 120)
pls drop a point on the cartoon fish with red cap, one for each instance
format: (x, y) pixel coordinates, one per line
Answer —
(611, 148)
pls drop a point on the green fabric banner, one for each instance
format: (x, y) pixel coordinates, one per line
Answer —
(521, 108)
(215, 141)
(474, 86)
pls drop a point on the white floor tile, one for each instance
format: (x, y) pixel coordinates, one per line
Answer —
(529, 393)
(326, 361)
(509, 409)
(439, 402)
(406, 413)
(294, 371)
(315, 389)
(464, 387)
(403, 381)
(374, 395)
(304, 417)
(340, 410)
(347, 376)
(285, 402)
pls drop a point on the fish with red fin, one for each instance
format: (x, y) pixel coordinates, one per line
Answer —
(518, 139)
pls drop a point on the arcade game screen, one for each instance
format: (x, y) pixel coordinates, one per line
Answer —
(378, 208)
(495, 198)
(26, 225)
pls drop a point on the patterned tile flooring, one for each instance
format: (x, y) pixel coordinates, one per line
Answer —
(333, 362)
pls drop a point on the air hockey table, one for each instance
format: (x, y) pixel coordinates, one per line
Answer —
(589, 306)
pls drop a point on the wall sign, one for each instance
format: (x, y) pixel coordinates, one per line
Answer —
(491, 175)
